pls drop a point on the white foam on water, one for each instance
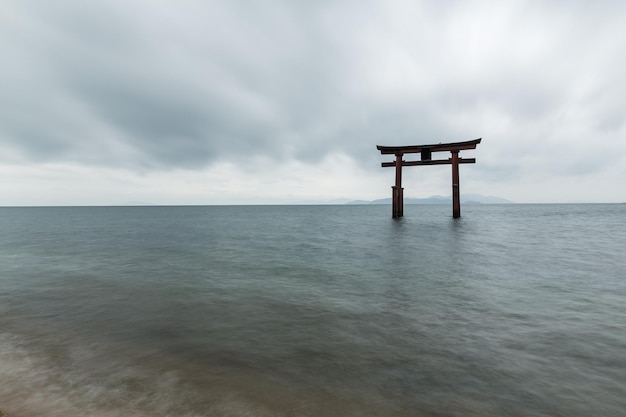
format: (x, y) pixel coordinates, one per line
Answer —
(84, 382)
(32, 384)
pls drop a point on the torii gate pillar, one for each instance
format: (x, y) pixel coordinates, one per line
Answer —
(397, 193)
(456, 189)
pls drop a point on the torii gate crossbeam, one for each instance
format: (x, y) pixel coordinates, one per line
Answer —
(397, 195)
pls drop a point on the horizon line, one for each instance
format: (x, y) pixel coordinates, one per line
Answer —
(291, 204)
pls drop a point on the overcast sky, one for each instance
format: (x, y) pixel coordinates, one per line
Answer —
(255, 102)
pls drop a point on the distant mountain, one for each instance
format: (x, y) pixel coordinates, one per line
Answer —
(484, 199)
(439, 199)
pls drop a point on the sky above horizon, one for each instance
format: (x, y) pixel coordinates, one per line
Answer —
(248, 102)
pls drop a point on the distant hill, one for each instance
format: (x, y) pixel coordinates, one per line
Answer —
(439, 199)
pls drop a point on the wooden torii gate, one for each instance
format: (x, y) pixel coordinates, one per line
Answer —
(397, 195)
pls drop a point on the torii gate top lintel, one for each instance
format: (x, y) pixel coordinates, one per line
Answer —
(435, 147)
(397, 200)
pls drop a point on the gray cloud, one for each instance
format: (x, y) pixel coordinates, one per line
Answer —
(163, 85)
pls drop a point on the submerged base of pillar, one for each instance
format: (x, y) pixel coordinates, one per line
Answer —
(456, 201)
(397, 202)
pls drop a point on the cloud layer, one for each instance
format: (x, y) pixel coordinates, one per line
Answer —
(159, 86)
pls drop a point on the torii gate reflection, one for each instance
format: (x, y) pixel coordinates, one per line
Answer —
(397, 195)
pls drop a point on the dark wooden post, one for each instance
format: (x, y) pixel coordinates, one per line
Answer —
(456, 192)
(397, 202)
(397, 197)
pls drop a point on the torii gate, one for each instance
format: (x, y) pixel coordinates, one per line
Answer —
(397, 195)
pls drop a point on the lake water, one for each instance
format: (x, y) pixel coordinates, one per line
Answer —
(512, 310)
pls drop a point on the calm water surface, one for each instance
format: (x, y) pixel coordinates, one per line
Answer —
(512, 310)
